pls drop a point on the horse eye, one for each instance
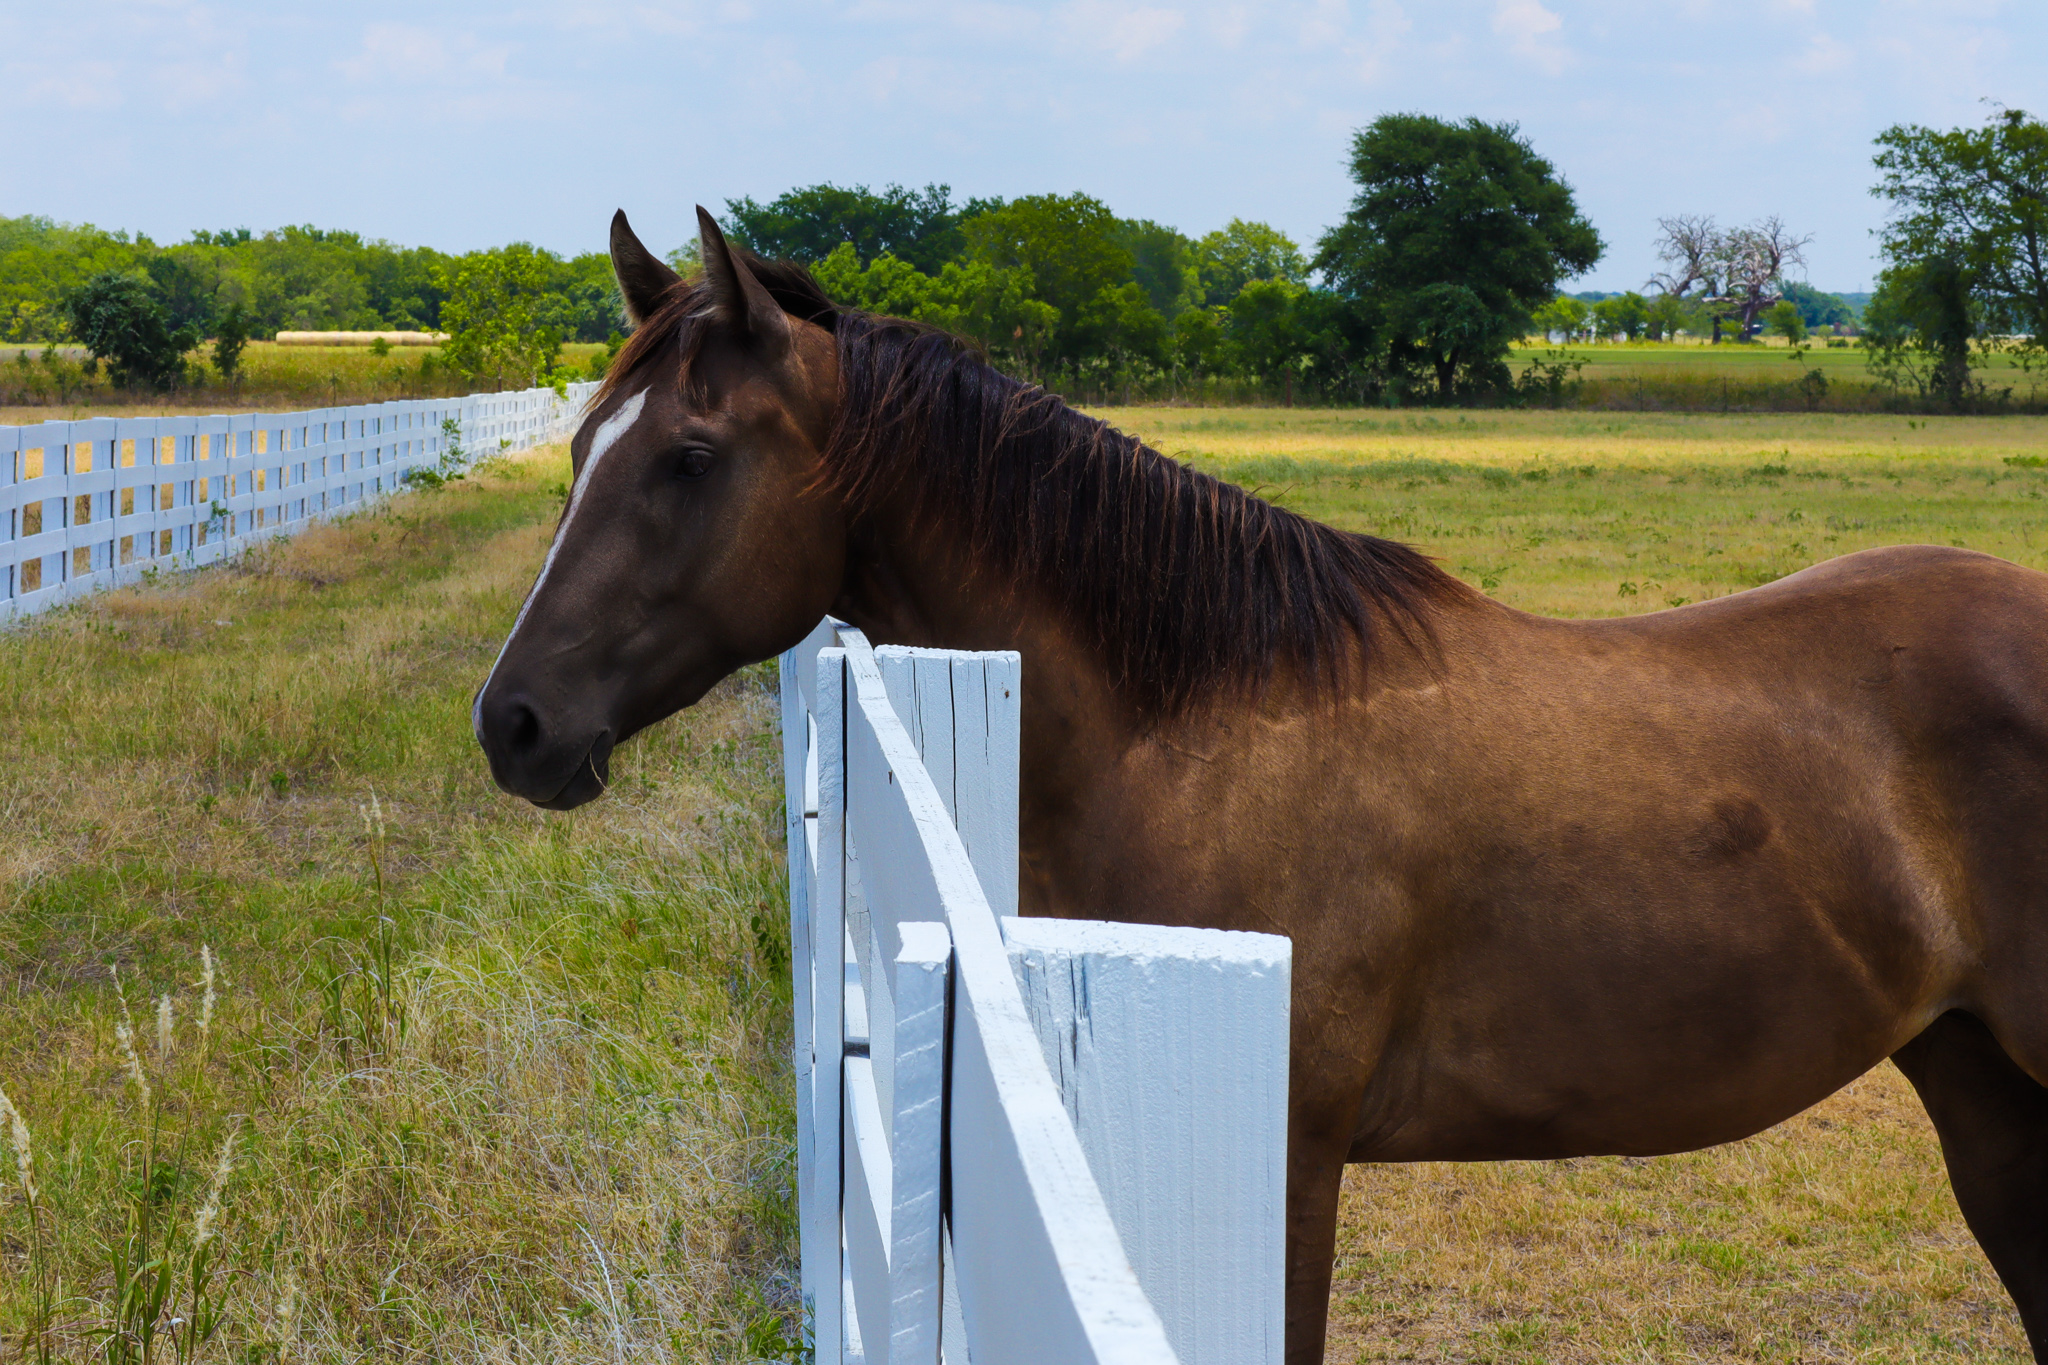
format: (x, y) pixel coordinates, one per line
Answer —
(693, 463)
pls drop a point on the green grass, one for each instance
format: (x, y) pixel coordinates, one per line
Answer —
(503, 1083)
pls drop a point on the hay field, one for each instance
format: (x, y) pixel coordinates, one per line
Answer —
(273, 378)
(406, 1069)
(1830, 1238)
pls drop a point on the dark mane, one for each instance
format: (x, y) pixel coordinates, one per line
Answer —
(1182, 584)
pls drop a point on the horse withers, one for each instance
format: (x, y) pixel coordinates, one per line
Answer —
(1556, 888)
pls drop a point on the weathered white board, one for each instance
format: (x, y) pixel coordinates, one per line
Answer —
(1169, 1048)
(1042, 1275)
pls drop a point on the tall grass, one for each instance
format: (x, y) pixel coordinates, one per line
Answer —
(319, 1048)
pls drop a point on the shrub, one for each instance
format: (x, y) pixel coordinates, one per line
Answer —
(122, 322)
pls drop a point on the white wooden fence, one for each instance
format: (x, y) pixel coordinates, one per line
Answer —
(1018, 1140)
(93, 504)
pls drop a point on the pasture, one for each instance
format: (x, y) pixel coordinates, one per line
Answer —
(1830, 1238)
(499, 1084)
(505, 1084)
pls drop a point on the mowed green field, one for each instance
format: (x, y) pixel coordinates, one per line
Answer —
(1766, 375)
(1831, 1238)
(507, 1085)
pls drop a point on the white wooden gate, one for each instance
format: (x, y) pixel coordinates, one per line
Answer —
(93, 504)
(1018, 1140)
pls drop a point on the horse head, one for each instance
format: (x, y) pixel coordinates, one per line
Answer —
(699, 534)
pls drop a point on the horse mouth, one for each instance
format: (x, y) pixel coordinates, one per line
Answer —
(587, 781)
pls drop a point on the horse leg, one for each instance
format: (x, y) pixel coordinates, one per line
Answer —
(1993, 1121)
(1318, 1140)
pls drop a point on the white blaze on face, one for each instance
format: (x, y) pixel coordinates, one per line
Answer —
(608, 433)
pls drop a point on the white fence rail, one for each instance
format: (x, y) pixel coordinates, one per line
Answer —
(93, 504)
(1018, 1140)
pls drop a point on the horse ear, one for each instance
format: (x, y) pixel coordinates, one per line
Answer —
(736, 295)
(643, 280)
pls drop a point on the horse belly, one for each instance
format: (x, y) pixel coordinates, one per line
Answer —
(1644, 1033)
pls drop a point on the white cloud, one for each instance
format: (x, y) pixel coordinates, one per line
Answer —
(1824, 54)
(1531, 33)
(1127, 32)
(1386, 25)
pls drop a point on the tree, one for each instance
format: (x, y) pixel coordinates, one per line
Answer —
(1263, 330)
(1975, 199)
(1163, 263)
(992, 306)
(1753, 262)
(1458, 234)
(230, 335)
(1817, 309)
(1069, 245)
(1690, 245)
(494, 314)
(121, 320)
(1234, 255)
(1739, 272)
(808, 224)
(1918, 327)
(1663, 316)
(1197, 342)
(1623, 315)
(1564, 315)
(1785, 321)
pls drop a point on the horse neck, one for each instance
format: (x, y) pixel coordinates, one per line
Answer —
(918, 585)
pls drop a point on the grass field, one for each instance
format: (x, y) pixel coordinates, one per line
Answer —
(506, 1085)
(1831, 1238)
(500, 1085)
(1761, 376)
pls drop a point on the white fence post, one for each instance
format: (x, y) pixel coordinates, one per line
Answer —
(1169, 1047)
(1110, 1089)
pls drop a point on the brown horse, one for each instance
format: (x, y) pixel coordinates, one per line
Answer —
(1556, 888)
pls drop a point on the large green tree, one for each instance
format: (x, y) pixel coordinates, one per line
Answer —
(808, 224)
(1970, 210)
(1234, 255)
(1073, 247)
(1458, 234)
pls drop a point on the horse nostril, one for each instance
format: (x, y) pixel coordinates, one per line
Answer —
(522, 726)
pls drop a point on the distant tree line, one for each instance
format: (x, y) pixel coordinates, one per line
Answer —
(140, 305)
(1458, 233)
(1456, 244)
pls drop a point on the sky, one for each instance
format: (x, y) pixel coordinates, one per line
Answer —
(460, 124)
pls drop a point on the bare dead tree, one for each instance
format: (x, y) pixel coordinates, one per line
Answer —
(1753, 263)
(1690, 244)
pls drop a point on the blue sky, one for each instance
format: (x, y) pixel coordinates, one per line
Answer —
(465, 124)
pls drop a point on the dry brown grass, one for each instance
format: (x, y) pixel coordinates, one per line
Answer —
(1830, 1238)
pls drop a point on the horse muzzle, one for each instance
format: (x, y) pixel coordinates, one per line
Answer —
(552, 761)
